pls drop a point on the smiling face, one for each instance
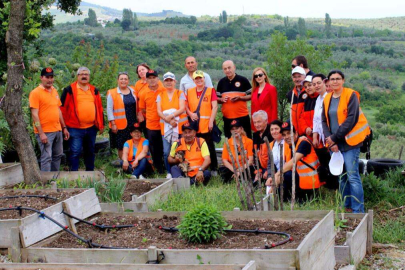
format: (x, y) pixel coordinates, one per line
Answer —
(259, 123)
(189, 135)
(152, 81)
(275, 132)
(123, 81)
(83, 77)
(298, 78)
(199, 82)
(47, 81)
(229, 69)
(336, 82)
(310, 89)
(236, 130)
(319, 85)
(136, 135)
(169, 84)
(191, 64)
(142, 72)
(260, 77)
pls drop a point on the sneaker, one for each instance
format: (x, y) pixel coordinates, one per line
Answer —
(214, 173)
(134, 177)
(141, 177)
(168, 176)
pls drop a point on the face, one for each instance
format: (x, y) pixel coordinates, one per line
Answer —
(319, 85)
(142, 72)
(287, 137)
(236, 130)
(293, 64)
(259, 76)
(199, 81)
(123, 81)
(136, 134)
(83, 77)
(336, 82)
(229, 69)
(259, 123)
(152, 81)
(327, 86)
(191, 64)
(298, 79)
(310, 89)
(169, 84)
(47, 81)
(189, 135)
(275, 132)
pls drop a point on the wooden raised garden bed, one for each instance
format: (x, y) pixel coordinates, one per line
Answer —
(312, 250)
(10, 174)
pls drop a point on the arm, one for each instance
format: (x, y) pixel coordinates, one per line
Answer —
(353, 112)
(110, 114)
(64, 128)
(302, 121)
(159, 111)
(227, 164)
(274, 104)
(35, 117)
(145, 149)
(171, 158)
(125, 163)
(214, 105)
(142, 110)
(325, 128)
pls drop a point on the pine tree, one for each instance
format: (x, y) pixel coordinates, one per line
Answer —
(92, 19)
(135, 22)
(224, 17)
(302, 29)
(328, 26)
(220, 18)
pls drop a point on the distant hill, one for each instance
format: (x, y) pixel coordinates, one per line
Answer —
(106, 13)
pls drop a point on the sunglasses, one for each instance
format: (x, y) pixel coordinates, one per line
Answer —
(258, 75)
(294, 66)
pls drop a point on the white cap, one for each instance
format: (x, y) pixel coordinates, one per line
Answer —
(169, 75)
(336, 163)
(308, 78)
(299, 70)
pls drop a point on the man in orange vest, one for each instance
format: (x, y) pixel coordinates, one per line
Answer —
(307, 163)
(297, 107)
(196, 155)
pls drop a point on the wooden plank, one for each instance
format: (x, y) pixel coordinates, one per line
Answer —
(99, 266)
(182, 183)
(72, 176)
(5, 231)
(320, 241)
(35, 229)
(69, 220)
(250, 266)
(159, 193)
(15, 250)
(10, 174)
(124, 207)
(348, 267)
(370, 221)
(342, 254)
(358, 245)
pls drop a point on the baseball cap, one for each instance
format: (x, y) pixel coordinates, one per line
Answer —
(47, 71)
(286, 126)
(189, 126)
(235, 123)
(169, 75)
(151, 72)
(299, 70)
(136, 126)
(198, 73)
(336, 163)
(308, 78)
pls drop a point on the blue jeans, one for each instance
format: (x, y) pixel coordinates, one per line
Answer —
(140, 169)
(350, 185)
(178, 173)
(86, 139)
(166, 152)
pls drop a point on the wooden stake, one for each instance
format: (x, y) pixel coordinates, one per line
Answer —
(293, 156)
(235, 171)
(69, 220)
(259, 174)
(273, 184)
(400, 152)
(249, 182)
(281, 177)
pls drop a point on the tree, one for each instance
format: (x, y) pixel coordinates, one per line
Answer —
(220, 18)
(92, 19)
(286, 22)
(21, 14)
(302, 29)
(328, 26)
(280, 54)
(126, 24)
(135, 22)
(224, 17)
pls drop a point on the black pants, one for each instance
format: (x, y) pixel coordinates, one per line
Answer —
(210, 143)
(332, 181)
(226, 174)
(245, 121)
(143, 127)
(301, 195)
(156, 148)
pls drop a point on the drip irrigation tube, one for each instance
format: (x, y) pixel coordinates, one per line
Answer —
(102, 227)
(46, 197)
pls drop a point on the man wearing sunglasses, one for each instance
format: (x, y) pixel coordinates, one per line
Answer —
(301, 61)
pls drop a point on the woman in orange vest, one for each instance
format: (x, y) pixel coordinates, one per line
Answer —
(136, 158)
(206, 115)
(171, 110)
(345, 127)
(227, 172)
(121, 112)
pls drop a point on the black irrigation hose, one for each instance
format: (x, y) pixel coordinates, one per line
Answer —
(46, 197)
(102, 227)
(257, 231)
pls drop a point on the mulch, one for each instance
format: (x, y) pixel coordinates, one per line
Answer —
(137, 188)
(147, 233)
(36, 203)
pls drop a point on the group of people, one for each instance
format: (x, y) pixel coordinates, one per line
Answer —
(179, 128)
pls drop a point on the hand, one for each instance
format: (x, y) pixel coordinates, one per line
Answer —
(234, 99)
(210, 125)
(114, 128)
(329, 141)
(135, 163)
(264, 175)
(224, 99)
(173, 123)
(140, 117)
(315, 142)
(194, 116)
(269, 182)
(199, 177)
(170, 118)
(334, 148)
(308, 131)
(44, 138)
(101, 131)
(125, 165)
(66, 134)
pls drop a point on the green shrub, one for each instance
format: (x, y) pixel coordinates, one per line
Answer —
(203, 224)
(375, 189)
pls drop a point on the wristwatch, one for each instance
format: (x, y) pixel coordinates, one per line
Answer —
(200, 169)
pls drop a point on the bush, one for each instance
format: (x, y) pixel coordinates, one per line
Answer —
(203, 224)
(375, 190)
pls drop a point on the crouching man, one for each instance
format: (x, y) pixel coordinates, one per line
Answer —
(190, 157)
(306, 178)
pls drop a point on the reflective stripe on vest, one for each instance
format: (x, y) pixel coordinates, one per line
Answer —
(313, 164)
(205, 108)
(309, 178)
(120, 118)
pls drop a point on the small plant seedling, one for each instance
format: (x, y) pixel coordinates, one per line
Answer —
(144, 240)
(203, 224)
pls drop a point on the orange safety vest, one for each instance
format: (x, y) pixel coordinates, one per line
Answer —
(205, 108)
(119, 108)
(138, 150)
(167, 104)
(361, 129)
(264, 156)
(193, 156)
(245, 140)
(309, 178)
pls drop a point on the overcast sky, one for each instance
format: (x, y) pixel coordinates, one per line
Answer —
(292, 8)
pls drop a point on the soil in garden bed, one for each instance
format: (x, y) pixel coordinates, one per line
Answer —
(350, 226)
(147, 233)
(137, 188)
(36, 203)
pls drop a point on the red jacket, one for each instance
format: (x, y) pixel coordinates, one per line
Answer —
(297, 108)
(267, 102)
(69, 108)
(306, 119)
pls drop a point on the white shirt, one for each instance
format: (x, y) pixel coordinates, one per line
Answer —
(187, 82)
(276, 153)
(318, 117)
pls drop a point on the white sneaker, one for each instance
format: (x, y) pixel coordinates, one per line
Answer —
(134, 177)
(168, 176)
(141, 177)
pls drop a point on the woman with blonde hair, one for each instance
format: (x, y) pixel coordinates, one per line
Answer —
(264, 95)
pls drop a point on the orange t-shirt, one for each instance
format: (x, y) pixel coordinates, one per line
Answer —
(86, 109)
(141, 88)
(148, 102)
(47, 103)
(247, 145)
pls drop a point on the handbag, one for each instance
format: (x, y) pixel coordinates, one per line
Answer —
(216, 133)
(196, 124)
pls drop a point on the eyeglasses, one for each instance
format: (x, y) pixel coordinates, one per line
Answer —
(294, 66)
(258, 75)
(83, 74)
(335, 79)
